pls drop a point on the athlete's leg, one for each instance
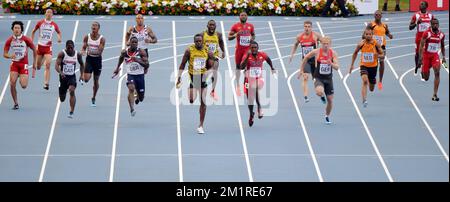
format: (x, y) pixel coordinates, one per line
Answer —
(131, 89)
(39, 61)
(48, 60)
(12, 82)
(329, 105)
(23, 80)
(437, 78)
(202, 109)
(365, 84)
(73, 99)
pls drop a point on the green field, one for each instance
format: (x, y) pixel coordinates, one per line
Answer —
(404, 5)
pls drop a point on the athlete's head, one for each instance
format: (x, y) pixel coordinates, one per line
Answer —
(435, 24)
(377, 15)
(48, 14)
(423, 6)
(254, 47)
(70, 47)
(139, 20)
(211, 26)
(17, 28)
(325, 42)
(368, 33)
(95, 26)
(307, 25)
(198, 41)
(133, 43)
(243, 17)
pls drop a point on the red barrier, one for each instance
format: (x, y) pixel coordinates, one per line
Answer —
(433, 5)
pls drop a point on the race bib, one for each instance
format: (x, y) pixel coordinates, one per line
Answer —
(19, 53)
(379, 39)
(307, 49)
(433, 47)
(212, 47)
(367, 57)
(325, 69)
(69, 69)
(423, 26)
(255, 72)
(244, 40)
(134, 67)
(46, 35)
(199, 63)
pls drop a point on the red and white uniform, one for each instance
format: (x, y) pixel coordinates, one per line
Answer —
(243, 39)
(19, 46)
(423, 26)
(307, 44)
(46, 30)
(430, 57)
(254, 70)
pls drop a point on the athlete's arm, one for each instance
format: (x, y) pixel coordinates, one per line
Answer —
(102, 45)
(221, 44)
(443, 49)
(413, 24)
(33, 48)
(152, 35)
(422, 44)
(243, 64)
(58, 33)
(388, 33)
(83, 49)
(186, 56)
(294, 49)
(335, 62)
(318, 37)
(253, 34)
(355, 54)
(232, 35)
(80, 60)
(379, 51)
(58, 63)
(121, 58)
(305, 60)
(6, 50)
(269, 61)
(34, 30)
(143, 61)
(127, 35)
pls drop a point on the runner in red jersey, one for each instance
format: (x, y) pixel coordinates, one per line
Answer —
(421, 19)
(19, 44)
(429, 54)
(46, 28)
(253, 65)
(244, 33)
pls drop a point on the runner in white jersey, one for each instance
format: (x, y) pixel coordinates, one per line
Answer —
(136, 65)
(93, 46)
(46, 28)
(143, 33)
(66, 67)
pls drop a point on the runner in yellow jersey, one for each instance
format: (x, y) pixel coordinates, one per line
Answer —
(380, 31)
(370, 52)
(213, 40)
(200, 61)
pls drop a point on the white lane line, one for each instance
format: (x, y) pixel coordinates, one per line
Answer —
(55, 118)
(177, 106)
(321, 33)
(366, 128)
(436, 140)
(222, 155)
(278, 50)
(300, 118)
(8, 77)
(236, 104)
(116, 119)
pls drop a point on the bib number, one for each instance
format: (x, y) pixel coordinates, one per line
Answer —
(255, 72)
(134, 67)
(244, 40)
(69, 69)
(306, 50)
(433, 47)
(423, 27)
(18, 53)
(325, 69)
(212, 47)
(199, 63)
(368, 57)
(379, 39)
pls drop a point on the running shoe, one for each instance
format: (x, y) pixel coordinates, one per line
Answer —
(136, 101)
(93, 102)
(327, 120)
(260, 113)
(46, 86)
(324, 101)
(70, 116)
(214, 95)
(200, 130)
(16, 107)
(365, 103)
(133, 112)
(435, 98)
(306, 99)
(250, 120)
(380, 86)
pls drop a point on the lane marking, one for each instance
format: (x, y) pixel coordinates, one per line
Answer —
(278, 50)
